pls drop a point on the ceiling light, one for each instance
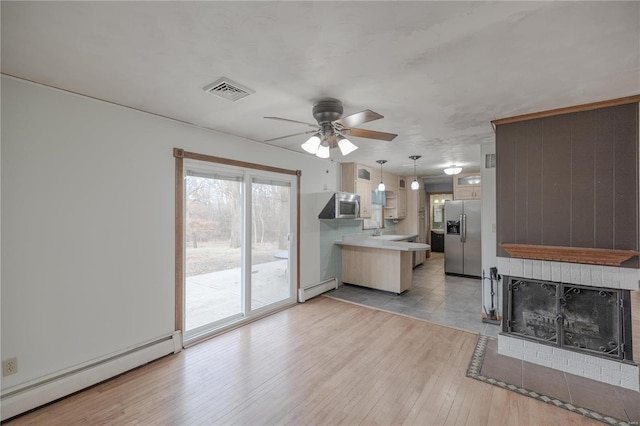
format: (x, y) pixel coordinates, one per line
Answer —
(323, 150)
(415, 185)
(381, 186)
(345, 145)
(453, 170)
(312, 145)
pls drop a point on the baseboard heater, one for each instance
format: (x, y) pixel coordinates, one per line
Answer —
(42, 391)
(307, 293)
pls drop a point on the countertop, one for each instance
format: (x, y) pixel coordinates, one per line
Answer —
(386, 242)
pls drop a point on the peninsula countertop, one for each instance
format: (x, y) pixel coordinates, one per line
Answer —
(385, 242)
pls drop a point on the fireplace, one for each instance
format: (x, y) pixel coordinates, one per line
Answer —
(572, 317)
(584, 319)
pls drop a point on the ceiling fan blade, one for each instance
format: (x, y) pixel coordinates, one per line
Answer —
(292, 121)
(371, 134)
(359, 118)
(288, 136)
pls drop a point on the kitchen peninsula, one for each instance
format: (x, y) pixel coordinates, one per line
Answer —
(384, 262)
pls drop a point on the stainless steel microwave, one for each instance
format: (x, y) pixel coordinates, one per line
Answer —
(341, 205)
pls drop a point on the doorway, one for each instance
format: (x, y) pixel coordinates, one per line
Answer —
(239, 261)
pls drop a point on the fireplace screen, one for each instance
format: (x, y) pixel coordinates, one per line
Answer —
(585, 319)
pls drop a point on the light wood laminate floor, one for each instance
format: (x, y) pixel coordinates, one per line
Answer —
(321, 362)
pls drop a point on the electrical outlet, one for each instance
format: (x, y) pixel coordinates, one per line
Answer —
(9, 366)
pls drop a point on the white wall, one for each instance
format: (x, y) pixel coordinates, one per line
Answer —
(88, 224)
(488, 223)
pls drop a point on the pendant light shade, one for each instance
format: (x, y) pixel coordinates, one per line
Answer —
(345, 145)
(453, 170)
(381, 186)
(415, 185)
(312, 145)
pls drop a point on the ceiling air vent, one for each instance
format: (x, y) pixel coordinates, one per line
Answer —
(228, 89)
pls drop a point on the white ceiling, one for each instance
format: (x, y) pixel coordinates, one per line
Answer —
(438, 71)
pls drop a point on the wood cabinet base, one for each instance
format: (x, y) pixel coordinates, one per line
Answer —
(388, 270)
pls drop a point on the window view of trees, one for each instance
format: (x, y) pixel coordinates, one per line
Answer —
(213, 223)
(217, 282)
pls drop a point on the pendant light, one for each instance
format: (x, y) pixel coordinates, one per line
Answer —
(415, 185)
(453, 170)
(381, 186)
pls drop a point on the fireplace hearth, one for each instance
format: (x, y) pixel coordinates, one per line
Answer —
(585, 319)
(571, 317)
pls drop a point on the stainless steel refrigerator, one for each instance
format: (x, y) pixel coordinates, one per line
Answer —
(462, 237)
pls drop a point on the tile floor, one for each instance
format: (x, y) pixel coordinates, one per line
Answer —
(436, 297)
(621, 403)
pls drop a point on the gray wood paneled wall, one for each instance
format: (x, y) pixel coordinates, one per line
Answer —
(570, 180)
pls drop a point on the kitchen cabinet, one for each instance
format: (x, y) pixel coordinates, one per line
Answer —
(379, 262)
(391, 205)
(359, 179)
(362, 179)
(422, 239)
(396, 204)
(396, 195)
(466, 186)
(402, 197)
(437, 241)
(414, 221)
(390, 181)
(402, 203)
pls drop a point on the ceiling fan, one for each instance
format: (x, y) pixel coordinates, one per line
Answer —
(332, 129)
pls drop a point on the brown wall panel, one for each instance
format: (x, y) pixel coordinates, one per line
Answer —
(626, 173)
(521, 211)
(506, 139)
(533, 141)
(604, 178)
(582, 179)
(556, 182)
(570, 180)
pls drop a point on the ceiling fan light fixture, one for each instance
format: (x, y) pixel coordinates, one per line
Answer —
(323, 150)
(312, 144)
(453, 170)
(345, 145)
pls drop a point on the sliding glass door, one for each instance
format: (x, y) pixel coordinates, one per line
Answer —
(213, 256)
(270, 224)
(237, 239)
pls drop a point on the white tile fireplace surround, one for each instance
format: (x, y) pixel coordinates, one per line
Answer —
(609, 371)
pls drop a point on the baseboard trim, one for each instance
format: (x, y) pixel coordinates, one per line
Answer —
(38, 394)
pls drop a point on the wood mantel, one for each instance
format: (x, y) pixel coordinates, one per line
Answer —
(592, 256)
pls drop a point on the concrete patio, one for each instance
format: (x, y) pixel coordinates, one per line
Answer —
(217, 295)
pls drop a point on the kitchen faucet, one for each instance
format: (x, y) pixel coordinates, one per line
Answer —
(376, 232)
